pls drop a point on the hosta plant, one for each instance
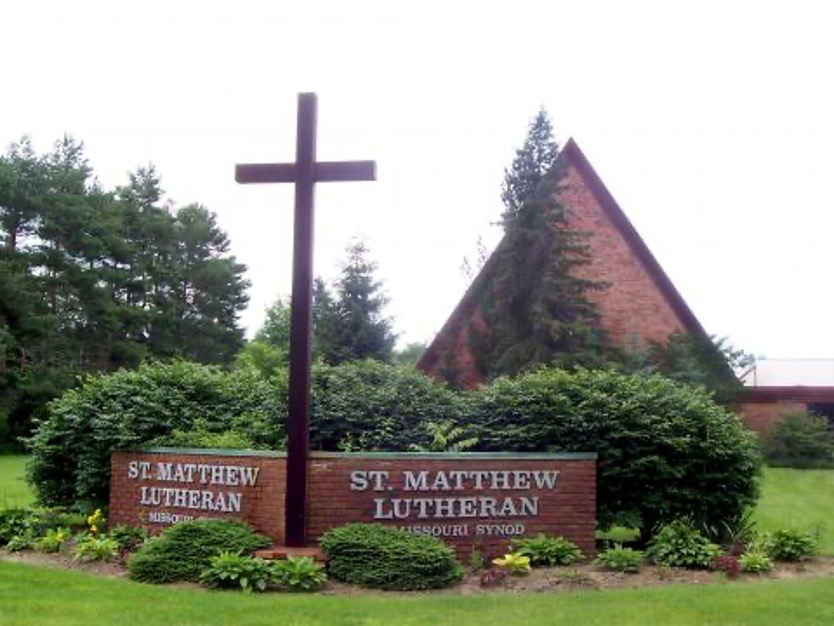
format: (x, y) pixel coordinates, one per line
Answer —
(547, 551)
(790, 545)
(298, 573)
(92, 548)
(233, 570)
(619, 559)
(680, 544)
(515, 563)
(755, 562)
(53, 540)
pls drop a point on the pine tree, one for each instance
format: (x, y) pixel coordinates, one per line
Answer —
(537, 309)
(532, 161)
(353, 326)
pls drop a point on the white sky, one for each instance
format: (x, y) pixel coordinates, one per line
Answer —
(712, 124)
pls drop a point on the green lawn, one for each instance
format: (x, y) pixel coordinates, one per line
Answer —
(13, 488)
(30, 595)
(802, 499)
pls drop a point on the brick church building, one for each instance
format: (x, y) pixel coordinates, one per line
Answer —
(641, 304)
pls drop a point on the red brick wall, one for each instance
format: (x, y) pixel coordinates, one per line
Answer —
(568, 510)
(632, 308)
(761, 416)
(335, 496)
(262, 505)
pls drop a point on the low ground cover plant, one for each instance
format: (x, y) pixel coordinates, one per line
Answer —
(298, 573)
(382, 557)
(727, 564)
(93, 548)
(233, 570)
(545, 551)
(755, 562)
(788, 544)
(680, 544)
(183, 551)
(619, 559)
(513, 563)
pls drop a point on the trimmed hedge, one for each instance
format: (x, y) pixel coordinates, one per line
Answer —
(183, 551)
(383, 557)
(71, 450)
(665, 449)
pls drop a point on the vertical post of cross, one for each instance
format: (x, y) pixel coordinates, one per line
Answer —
(305, 173)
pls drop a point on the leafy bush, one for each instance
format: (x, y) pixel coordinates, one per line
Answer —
(383, 557)
(52, 541)
(71, 450)
(369, 405)
(680, 544)
(298, 574)
(515, 563)
(183, 551)
(233, 570)
(547, 551)
(23, 541)
(12, 523)
(799, 439)
(790, 545)
(755, 561)
(619, 559)
(92, 548)
(617, 535)
(128, 537)
(727, 564)
(665, 449)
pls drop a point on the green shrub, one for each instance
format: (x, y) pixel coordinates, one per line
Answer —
(383, 557)
(71, 450)
(128, 537)
(183, 551)
(23, 541)
(368, 405)
(619, 559)
(799, 439)
(680, 544)
(52, 541)
(12, 523)
(298, 574)
(665, 449)
(790, 545)
(91, 548)
(233, 570)
(547, 551)
(617, 535)
(755, 561)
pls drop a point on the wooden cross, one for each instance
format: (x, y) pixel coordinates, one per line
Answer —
(305, 173)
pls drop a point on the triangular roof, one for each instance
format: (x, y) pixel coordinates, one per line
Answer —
(589, 199)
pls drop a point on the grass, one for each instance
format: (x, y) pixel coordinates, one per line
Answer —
(31, 595)
(801, 499)
(14, 491)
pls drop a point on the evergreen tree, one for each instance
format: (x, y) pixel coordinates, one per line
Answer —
(93, 280)
(537, 309)
(348, 324)
(532, 161)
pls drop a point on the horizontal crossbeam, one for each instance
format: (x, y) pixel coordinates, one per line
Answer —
(325, 171)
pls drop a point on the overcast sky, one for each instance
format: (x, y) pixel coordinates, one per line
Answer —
(710, 122)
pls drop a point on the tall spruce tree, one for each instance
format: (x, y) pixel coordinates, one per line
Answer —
(537, 308)
(351, 324)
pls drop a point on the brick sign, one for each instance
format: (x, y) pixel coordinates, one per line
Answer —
(471, 500)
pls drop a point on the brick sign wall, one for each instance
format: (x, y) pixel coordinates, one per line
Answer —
(468, 500)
